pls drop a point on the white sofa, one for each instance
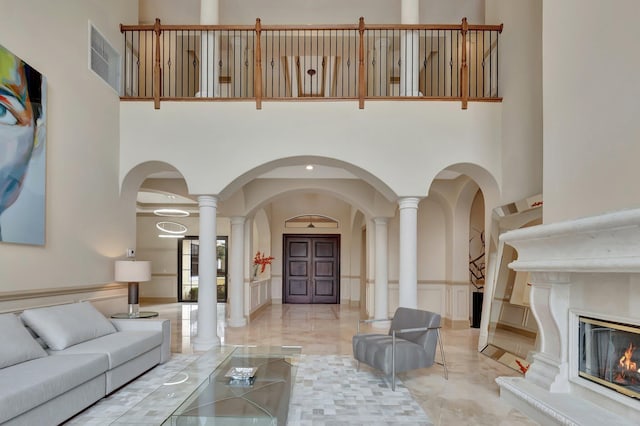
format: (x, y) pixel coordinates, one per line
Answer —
(58, 360)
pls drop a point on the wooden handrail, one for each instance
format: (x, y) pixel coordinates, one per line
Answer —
(195, 27)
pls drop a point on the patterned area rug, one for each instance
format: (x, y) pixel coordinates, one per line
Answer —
(330, 391)
(327, 391)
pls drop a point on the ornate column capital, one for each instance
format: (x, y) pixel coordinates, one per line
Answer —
(207, 201)
(238, 220)
(408, 202)
(380, 220)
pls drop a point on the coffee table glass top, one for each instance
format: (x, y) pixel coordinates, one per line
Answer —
(189, 395)
(251, 386)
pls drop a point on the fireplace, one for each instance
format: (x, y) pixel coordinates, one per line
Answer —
(607, 355)
(585, 293)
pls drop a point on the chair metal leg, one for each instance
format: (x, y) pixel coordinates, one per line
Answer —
(444, 362)
(393, 361)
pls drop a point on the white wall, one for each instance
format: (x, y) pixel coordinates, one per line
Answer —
(591, 104)
(520, 71)
(432, 244)
(87, 224)
(311, 12)
(386, 139)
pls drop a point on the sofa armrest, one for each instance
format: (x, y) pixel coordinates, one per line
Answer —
(152, 324)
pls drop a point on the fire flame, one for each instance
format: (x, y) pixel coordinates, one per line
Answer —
(626, 364)
(625, 361)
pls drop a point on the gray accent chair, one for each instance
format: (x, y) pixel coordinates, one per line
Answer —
(410, 343)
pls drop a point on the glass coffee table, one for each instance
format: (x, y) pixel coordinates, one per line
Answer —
(228, 385)
(251, 386)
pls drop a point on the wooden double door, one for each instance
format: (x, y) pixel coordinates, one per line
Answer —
(311, 268)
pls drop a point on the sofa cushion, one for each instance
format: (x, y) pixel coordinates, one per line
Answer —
(17, 343)
(66, 325)
(29, 384)
(119, 347)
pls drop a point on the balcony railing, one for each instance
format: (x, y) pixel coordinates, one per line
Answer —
(361, 62)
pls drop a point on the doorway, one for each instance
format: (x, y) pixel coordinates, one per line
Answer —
(188, 268)
(311, 268)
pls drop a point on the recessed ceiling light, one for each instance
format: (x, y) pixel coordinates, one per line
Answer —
(171, 212)
(309, 167)
(170, 236)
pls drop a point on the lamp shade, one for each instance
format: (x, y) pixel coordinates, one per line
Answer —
(133, 270)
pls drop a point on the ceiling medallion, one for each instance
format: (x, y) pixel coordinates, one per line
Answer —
(171, 213)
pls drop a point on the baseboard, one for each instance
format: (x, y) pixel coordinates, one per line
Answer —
(157, 300)
(522, 332)
(255, 313)
(456, 324)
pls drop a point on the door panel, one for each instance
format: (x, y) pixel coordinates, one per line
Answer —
(312, 269)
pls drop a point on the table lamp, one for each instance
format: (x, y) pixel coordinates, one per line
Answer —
(133, 272)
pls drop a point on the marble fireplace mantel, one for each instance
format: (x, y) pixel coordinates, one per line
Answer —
(589, 265)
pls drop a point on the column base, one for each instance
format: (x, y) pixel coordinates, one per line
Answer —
(237, 322)
(203, 344)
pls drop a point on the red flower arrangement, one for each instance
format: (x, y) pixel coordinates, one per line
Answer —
(261, 259)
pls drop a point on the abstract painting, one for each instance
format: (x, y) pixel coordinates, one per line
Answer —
(22, 151)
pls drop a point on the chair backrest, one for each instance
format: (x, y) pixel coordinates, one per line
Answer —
(414, 318)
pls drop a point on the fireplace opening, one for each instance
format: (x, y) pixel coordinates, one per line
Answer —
(610, 355)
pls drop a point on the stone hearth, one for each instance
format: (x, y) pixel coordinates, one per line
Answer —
(589, 267)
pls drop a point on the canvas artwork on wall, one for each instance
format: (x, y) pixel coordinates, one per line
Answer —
(22, 151)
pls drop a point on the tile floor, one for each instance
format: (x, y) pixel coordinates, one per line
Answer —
(469, 397)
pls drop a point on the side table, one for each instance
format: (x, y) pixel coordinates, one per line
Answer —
(141, 314)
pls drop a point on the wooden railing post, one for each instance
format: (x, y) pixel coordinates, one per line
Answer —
(257, 76)
(156, 66)
(361, 69)
(464, 72)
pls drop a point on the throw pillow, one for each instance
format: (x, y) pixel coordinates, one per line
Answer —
(18, 344)
(62, 326)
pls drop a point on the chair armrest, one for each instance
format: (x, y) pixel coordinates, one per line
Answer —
(376, 319)
(413, 330)
(152, 324)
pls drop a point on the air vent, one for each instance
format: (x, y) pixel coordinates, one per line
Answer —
(105, 60)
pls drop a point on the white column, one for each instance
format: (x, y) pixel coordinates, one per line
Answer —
(209, 50)
(209, 12)
(409, 12)
(408, 252)
(236, 272)
(382, 274)
(207, 295)
(409, 45)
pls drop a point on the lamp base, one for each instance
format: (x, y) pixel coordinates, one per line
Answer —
(134, 310)
(134, 306)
